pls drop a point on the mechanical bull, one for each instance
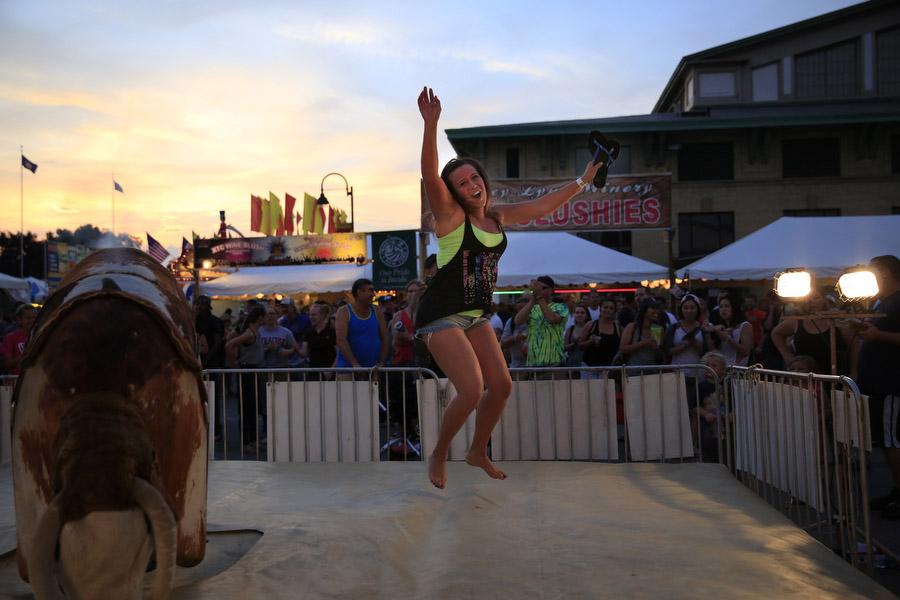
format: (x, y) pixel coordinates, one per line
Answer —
(110, 432)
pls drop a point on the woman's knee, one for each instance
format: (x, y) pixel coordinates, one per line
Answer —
(500, 386)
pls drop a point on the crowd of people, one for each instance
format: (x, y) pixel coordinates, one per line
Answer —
(545, 327)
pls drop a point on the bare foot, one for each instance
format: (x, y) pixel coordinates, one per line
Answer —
(478, 459)
(437, 471)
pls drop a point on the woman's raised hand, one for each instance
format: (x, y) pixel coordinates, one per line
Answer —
(429, 105)
(590, 170)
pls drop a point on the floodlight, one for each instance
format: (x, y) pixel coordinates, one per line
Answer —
(793, 284)
(207, 264)
(857, 285)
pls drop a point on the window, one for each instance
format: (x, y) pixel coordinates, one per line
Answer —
(887, 62)
(812, 212)
(827, 73)
(717, 85)
(702, 233)
(705, 162)
(765, 83)
(895, 154)
(622, 166)
(619, 241)
(512, 162)
(689, 94)
(811, 158)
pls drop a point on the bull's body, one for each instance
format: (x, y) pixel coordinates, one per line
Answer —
(117, 326)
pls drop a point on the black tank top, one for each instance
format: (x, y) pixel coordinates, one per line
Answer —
(603, 353)
(465, 283)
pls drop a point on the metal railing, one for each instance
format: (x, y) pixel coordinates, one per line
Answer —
(590, 413)
(799, 440)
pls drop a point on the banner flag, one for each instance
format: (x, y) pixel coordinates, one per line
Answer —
(289, 202)
(255, 213)
(331, 228)
(309, 209)
(28, 164)
(117, 187)
(320, 219)
(265, 227)
(276, 217)
(156, 250)
(299, 229)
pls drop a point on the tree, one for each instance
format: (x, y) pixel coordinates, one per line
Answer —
(86, 235)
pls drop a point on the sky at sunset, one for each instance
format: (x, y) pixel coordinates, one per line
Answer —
(196, 105)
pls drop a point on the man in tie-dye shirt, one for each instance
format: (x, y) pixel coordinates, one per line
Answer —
(546, 325)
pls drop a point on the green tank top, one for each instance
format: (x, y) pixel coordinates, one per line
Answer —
(449, 244)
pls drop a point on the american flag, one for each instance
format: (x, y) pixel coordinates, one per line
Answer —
(156, 250)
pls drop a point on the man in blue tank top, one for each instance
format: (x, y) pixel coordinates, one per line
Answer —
(360, 330)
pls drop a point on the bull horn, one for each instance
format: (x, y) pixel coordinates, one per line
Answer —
(165, 532)
(42, 560)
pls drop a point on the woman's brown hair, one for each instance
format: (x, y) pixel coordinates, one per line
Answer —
(456, 163)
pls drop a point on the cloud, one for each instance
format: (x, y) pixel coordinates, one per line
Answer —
(64, 210)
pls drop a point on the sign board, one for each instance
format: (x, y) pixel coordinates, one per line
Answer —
(394, 259)
(288, 250)
(625, 202)
(61, 258)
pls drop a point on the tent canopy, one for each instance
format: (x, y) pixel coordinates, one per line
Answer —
(8, 282)
(287, 280)
(826, 246)
(19, 289)
(569, 260)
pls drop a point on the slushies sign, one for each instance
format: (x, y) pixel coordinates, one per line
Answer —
(625, 202)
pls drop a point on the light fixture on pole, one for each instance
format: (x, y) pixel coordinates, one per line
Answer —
(794, 283)
(858, 283)
(347, 187)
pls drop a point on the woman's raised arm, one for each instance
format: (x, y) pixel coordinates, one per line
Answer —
(439, 200)
(523, 212)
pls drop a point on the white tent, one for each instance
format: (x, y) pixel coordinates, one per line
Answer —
(826, 246)
(19, 289)
(569, 260)
(286, 280)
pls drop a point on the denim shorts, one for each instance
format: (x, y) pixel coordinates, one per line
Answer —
(456, 321)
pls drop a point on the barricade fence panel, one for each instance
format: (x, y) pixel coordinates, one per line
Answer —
(327, 421)
(799, 440)
(558, 420)
(7, 385)
(656, 410)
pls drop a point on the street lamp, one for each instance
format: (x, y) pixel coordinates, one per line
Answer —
(349, 189)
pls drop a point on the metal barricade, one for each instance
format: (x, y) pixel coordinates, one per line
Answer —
(7, 385)
(314, 415)
(799, 440)
(614, 414)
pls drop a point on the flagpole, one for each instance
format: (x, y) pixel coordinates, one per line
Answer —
(21, 212)
(112, 199)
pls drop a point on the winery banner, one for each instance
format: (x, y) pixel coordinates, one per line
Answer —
(625, 202)
(288, 250)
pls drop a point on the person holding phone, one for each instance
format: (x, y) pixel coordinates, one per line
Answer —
(450, 317)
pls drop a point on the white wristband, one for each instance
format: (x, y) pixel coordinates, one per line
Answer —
(581, 183)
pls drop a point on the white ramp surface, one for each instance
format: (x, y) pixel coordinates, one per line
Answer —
(552, 530)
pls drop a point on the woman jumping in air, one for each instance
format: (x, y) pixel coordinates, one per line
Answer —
(450, 317)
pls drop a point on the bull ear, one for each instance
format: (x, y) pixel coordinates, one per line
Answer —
(42, 560)
(165, 532)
